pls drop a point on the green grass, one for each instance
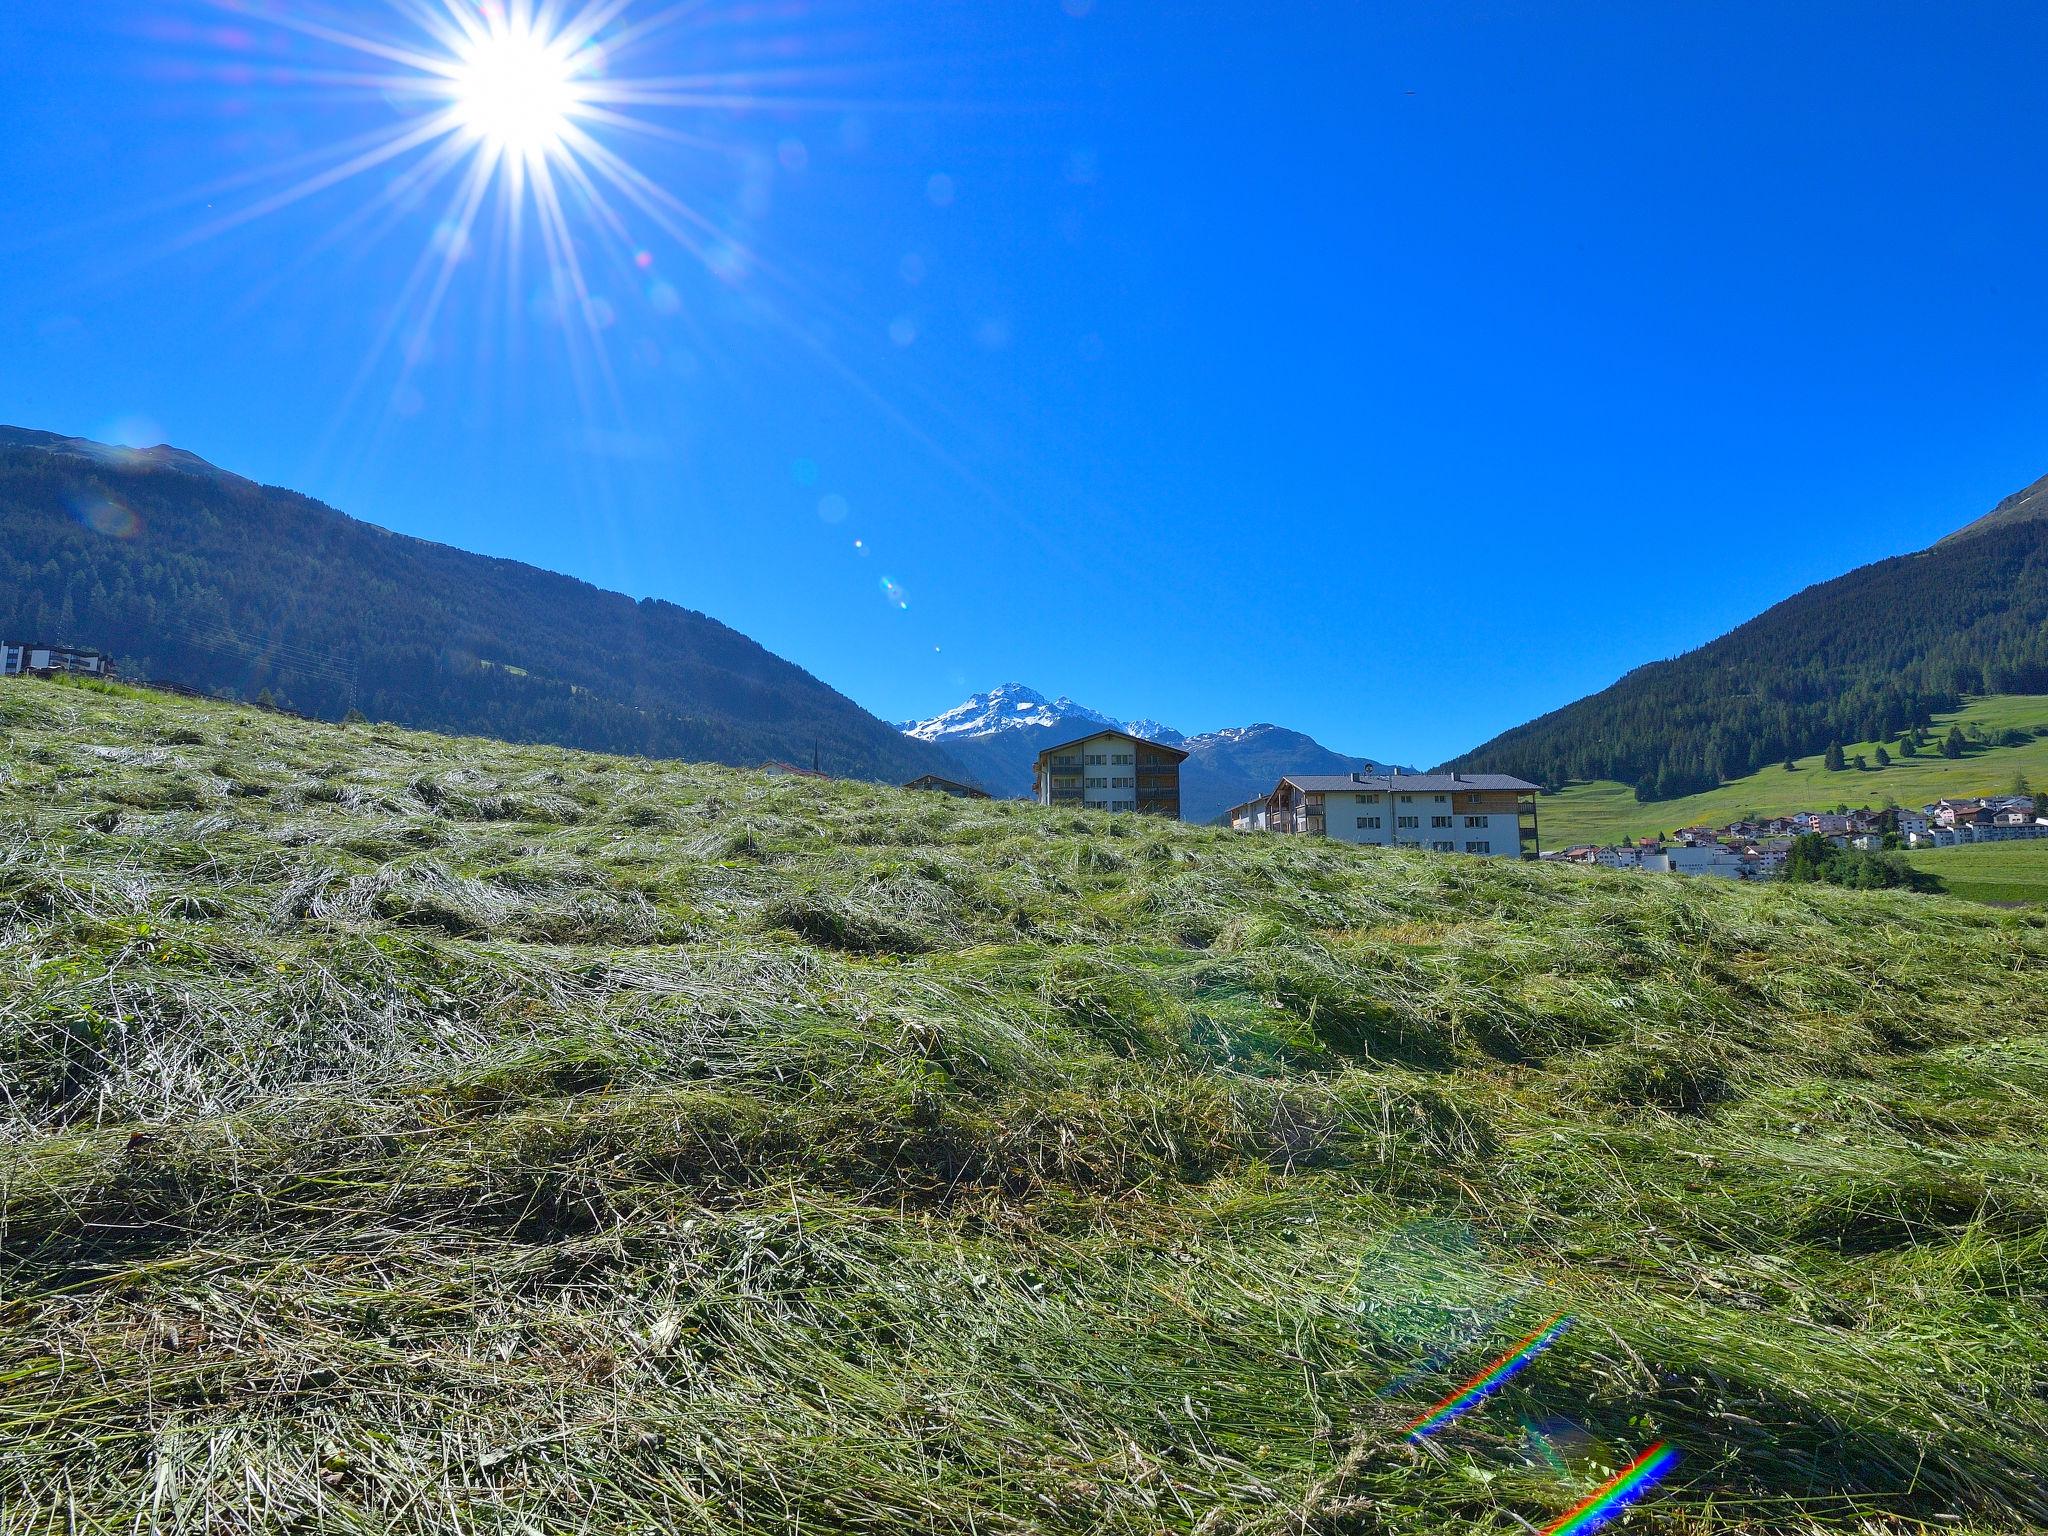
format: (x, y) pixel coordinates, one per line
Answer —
(1606, 812)
(2005, 873)
(407, 1135)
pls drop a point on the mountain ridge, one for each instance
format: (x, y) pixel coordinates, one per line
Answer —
(1862, 657)
(196, 575)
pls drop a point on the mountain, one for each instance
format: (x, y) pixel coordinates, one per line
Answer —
(1859, 658)
(194, 575)
(999, 735)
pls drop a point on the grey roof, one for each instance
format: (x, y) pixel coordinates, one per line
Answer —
(1408, 783)
(1109, 730)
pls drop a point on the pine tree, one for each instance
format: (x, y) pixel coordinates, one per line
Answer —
(1884, 758)
(1834, 761)
(1957, 743)
(1907, 747)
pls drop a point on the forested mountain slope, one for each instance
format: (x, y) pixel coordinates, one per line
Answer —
(1859, 658)
(193, 575)
(430, 1137)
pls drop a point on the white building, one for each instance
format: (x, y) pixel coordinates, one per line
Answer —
(1487, 814)
(1110, 771)
(19, 656)
(1723, 863)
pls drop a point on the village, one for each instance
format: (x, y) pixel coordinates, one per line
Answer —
(1758, 849)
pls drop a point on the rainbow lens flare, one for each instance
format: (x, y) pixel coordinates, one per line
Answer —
(1489, 1381)
(1618, 1493)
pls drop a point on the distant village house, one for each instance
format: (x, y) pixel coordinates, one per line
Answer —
(20, 658)
(931, 783)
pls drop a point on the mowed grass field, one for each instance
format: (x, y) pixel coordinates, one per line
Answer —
(423, 1137)
(1606, 812)
(2003, 873)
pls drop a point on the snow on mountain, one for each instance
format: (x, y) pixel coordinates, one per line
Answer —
(1154, 730)
(1008, 707)
(999, 733)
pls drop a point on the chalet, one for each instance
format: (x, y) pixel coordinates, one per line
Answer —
(24, 657)
(1252, 816)
(1110, 771)
(931, 783)
(1488, 814)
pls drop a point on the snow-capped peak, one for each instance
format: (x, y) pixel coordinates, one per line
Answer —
(1154, 730)
(1009, 707)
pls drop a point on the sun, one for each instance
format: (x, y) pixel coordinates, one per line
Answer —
(515, 90)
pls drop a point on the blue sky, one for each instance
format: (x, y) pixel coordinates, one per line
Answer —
(1392, 371)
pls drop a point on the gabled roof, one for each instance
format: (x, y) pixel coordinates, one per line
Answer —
(1096, 735)
(1408, 783)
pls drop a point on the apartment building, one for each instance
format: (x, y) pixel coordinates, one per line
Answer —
(1110, 771)
(19, 656)
(1487, 814)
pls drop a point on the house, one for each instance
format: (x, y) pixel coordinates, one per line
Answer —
(1488, 814)
(1725, 863)
(23, 656)
(1252, 816)
(1110, 771)
(931, 783)
(1912, 823)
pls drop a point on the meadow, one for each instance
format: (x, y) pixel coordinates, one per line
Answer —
(2002, 873)
(1610, 813)
(416, 1135)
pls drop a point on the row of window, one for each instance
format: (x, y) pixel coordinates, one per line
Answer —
(1111, 759)
(1123, 783)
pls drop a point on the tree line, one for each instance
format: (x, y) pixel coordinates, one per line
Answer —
(1869, 657)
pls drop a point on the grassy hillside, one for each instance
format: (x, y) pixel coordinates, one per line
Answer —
(1994, 872)
(1610, 812)
(400, 1134)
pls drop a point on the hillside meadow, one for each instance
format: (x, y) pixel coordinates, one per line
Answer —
(2002, 873)
(1610, 813)
(407, 1134)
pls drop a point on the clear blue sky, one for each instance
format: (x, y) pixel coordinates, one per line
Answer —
(1396, 371)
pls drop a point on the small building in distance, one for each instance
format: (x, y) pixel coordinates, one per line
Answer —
(26, 657)
(931, 783)
(1488, 814)
(1110, 771)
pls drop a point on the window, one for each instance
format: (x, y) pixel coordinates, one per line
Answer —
(1097, 760)
(1444, 847)
(1479, 847)
(1475, 821)
(1368, 823)
(1440, 822)
(1098, 784)
(1368, 799)
(1407, 799)
(1441, 799)
(1122, 760)
(1408, 821)
(1124, 783)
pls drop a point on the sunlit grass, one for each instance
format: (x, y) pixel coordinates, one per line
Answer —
(413, 1135)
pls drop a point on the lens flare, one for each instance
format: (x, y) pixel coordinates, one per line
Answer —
(1488, 1381)
(1626, 1487)
(104, 515)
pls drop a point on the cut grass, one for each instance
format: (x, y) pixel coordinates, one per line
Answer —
(1606, 812)
(400, 1134)
(2001, 873)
